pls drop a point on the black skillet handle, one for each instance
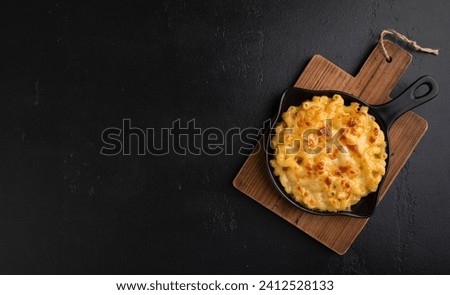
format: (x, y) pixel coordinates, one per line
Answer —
(391, 111)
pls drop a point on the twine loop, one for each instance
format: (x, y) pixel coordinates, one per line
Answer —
(408, 41)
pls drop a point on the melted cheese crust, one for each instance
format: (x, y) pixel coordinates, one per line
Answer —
(315, 172)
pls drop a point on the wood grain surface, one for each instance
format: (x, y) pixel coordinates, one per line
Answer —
(373, 84)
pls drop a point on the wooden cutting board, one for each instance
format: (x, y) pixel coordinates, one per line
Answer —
(373, 84)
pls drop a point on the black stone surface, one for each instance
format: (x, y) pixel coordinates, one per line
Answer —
(69, 70)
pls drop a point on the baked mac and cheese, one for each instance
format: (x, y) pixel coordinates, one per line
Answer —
(320, 176)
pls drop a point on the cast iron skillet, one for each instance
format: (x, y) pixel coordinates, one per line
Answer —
(385, 115)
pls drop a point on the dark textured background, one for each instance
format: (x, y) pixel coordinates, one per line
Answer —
(71, 69)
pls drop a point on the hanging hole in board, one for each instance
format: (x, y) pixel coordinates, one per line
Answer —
(389, 59)
(422, 90)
